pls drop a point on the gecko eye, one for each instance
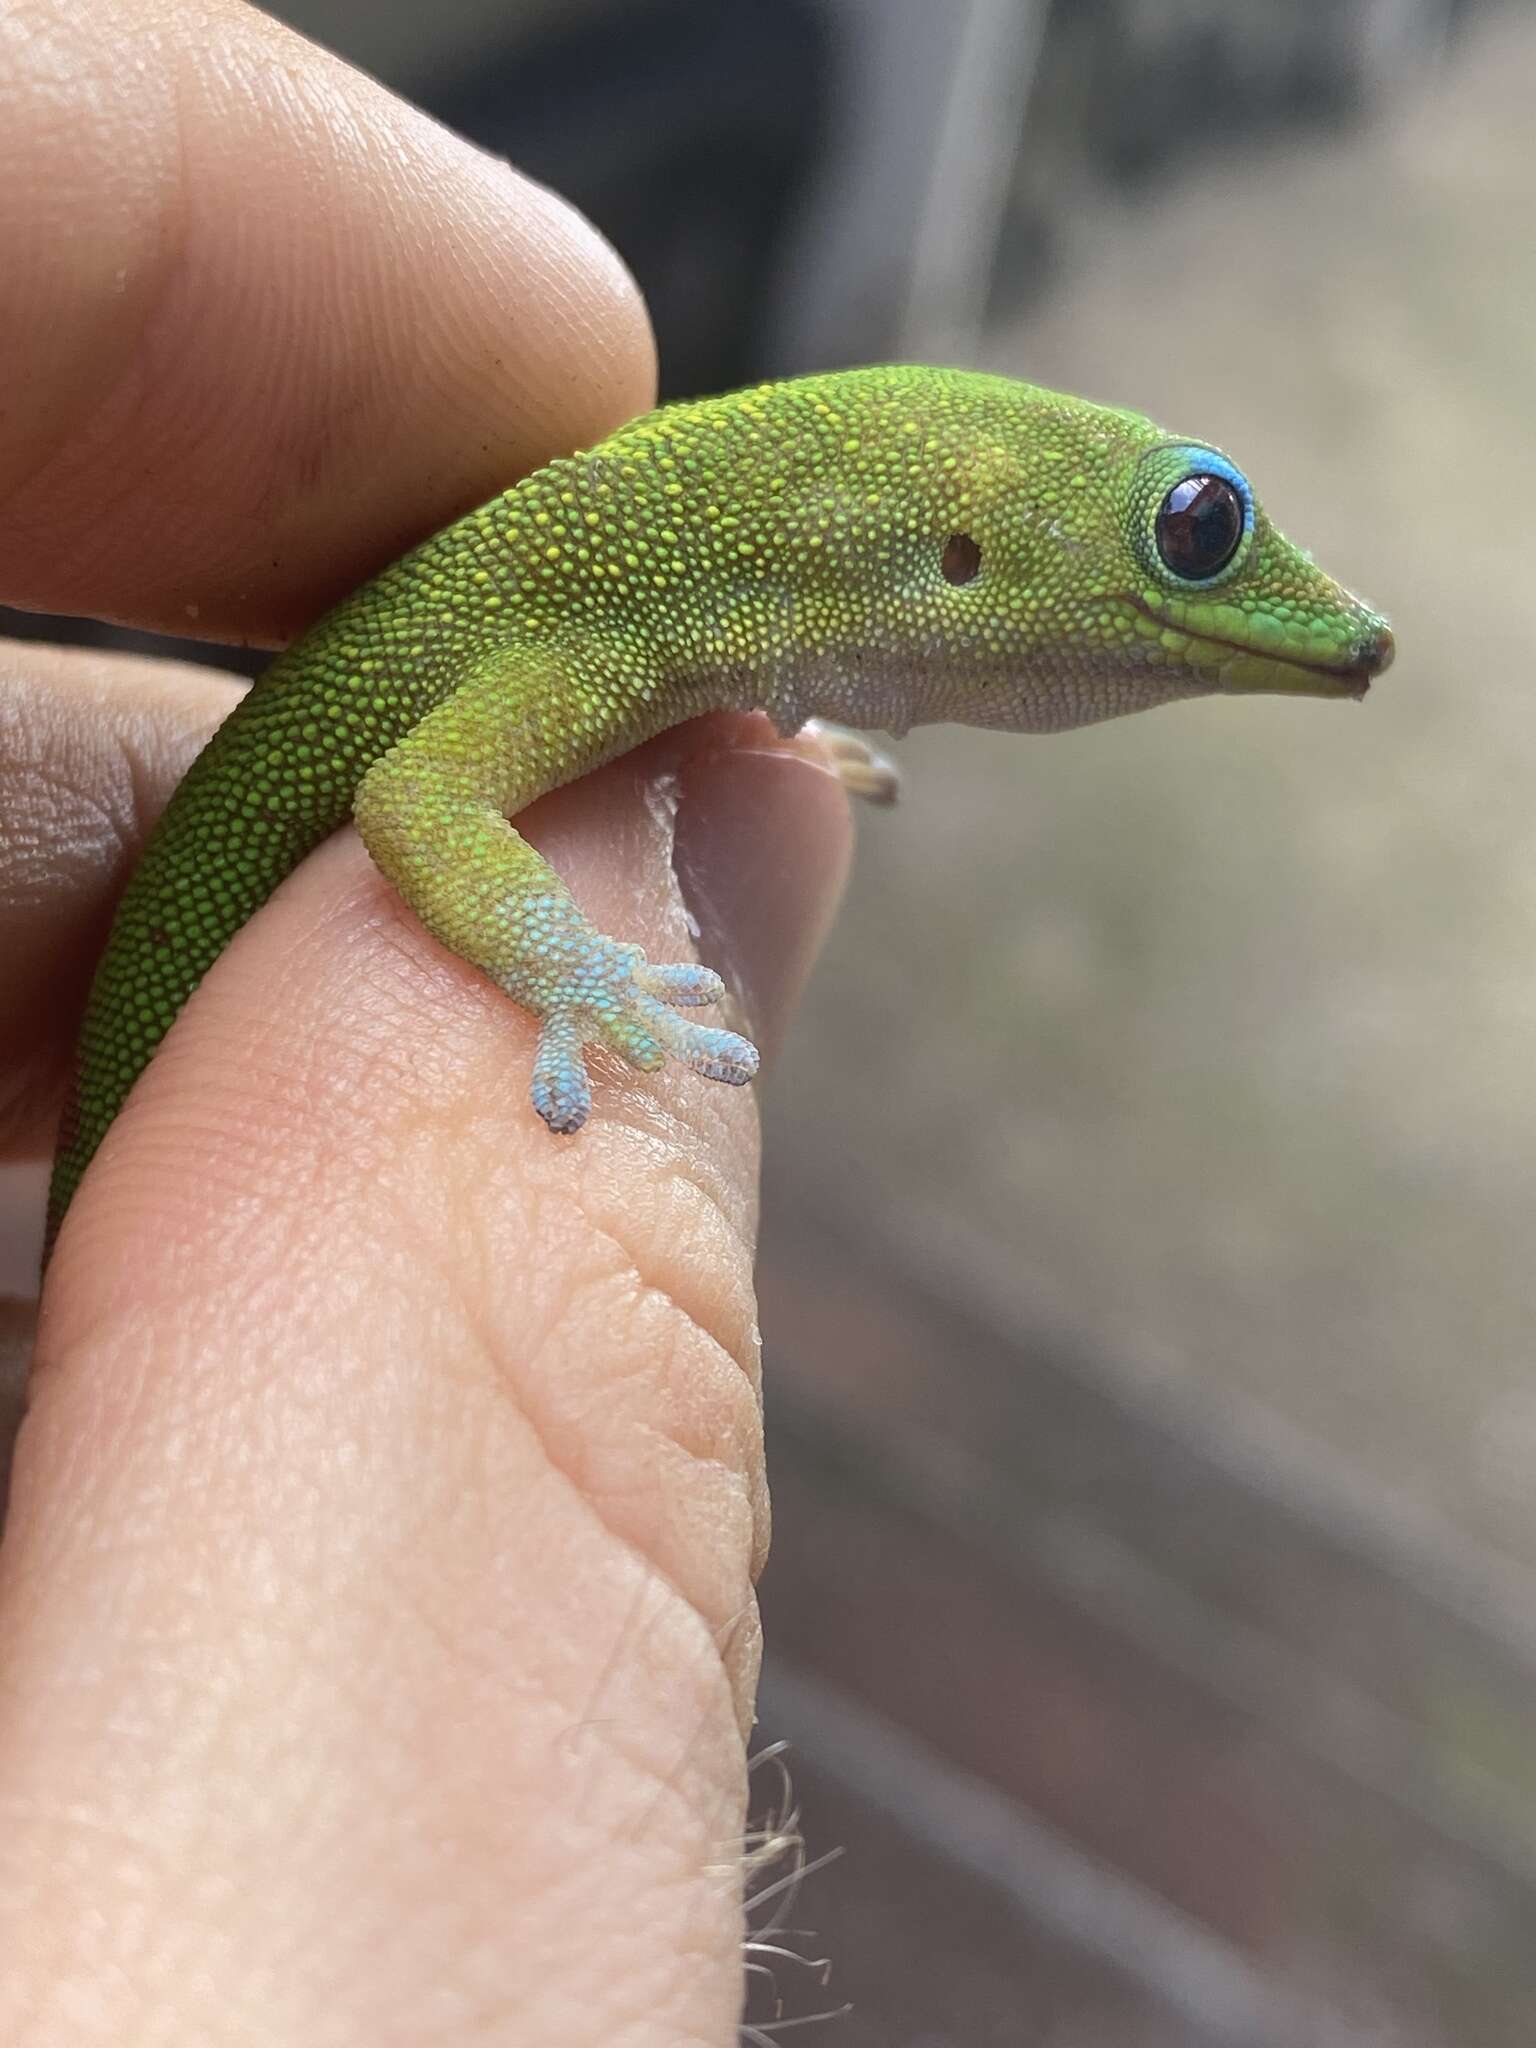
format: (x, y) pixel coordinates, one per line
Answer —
(1199, 525)
(961, 560)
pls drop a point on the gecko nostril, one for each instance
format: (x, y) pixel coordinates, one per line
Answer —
(1375, 650)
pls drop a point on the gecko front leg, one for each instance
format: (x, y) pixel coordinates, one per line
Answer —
(433, 814)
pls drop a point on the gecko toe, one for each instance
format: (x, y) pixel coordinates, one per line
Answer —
(685, 984)
(717, 1054)
(561, 1092)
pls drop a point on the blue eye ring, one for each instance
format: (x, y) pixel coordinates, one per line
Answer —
(1192, 515)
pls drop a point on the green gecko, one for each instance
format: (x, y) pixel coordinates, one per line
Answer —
(880, 547)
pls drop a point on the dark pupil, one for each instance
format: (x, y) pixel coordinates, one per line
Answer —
(1199, 526)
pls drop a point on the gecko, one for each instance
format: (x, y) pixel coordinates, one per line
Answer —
(879, 547)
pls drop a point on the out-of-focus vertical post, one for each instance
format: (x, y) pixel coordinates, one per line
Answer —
(996, 49)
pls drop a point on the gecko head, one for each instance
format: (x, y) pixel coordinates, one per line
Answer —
(1097, 564)
(1217, 596)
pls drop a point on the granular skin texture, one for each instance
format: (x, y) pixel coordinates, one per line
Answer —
(881, 548)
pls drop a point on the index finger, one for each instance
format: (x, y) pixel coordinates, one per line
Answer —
(270, 325)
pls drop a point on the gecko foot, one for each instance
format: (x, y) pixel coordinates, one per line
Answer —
(632, 1008)
(860, 767)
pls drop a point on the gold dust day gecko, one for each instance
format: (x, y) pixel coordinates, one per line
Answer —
(881, 547)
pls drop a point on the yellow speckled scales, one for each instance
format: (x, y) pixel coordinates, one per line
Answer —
(882, 547)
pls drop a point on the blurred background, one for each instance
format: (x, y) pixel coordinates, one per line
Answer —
(1152, 1612)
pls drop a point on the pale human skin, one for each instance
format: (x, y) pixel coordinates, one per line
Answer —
(377, 1633)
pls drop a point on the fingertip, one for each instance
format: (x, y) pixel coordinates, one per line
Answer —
(277, 324)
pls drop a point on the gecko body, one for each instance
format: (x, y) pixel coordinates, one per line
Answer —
(881, 547)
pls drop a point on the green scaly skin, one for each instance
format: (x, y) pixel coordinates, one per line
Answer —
(879, 547)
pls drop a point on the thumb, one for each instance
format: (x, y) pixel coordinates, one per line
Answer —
(376, 1605)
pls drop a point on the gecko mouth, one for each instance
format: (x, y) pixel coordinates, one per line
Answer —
(1369, 656)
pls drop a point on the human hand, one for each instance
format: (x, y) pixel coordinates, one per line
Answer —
(377, 1637)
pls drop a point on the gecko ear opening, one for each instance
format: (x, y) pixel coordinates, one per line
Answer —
(961, 560)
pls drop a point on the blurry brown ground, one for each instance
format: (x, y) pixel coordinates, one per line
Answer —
(1148, 1282)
